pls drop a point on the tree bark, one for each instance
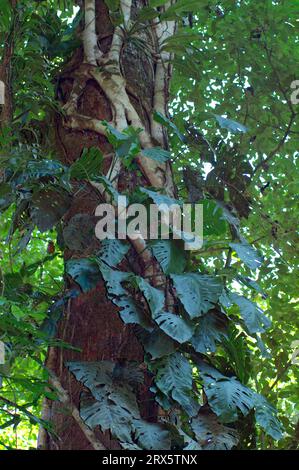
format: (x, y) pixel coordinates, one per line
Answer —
(111, 79)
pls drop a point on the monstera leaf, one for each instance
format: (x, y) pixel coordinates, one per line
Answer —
(154, 297)
(157, 343)
(114, 280)
(197, 292)
(113, 251)
(226, 395)
(212, 434)
(131, 313)
(174, 326)
(266, 417)
(151, 436)
(253, 316)
(84, 271)
(174, 378)
(170, 254)
(210, 329)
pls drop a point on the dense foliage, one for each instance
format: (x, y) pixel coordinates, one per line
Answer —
(232, 130)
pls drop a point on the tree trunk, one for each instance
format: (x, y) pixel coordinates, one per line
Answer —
(115, 79)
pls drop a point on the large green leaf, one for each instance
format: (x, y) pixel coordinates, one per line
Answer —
(170, 254)
(157, 343)
(253, 316)
(210, 329)
(154, 297)
(151, 436)
(213, 434)
(266, 417)
(113, 251)
(175, 326)
(226, 395)
(132, 313)
(114, 280)
(174, 378)
(197, 292)
(84, 271)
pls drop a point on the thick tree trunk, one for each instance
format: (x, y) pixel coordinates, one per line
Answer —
(109, 79)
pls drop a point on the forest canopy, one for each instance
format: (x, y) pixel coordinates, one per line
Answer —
(148, 345)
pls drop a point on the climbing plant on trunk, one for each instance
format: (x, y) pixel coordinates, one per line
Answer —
(132, 339)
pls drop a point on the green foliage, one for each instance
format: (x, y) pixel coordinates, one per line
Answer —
(235, 127)
(197, 292)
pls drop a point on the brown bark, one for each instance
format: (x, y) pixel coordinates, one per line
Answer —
(91, 321)
(6, 110)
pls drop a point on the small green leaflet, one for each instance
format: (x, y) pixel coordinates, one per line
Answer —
(158, 154)
(126, 143)
(232, 126)
(247, 254)
(197, 292)
(158, 117)
(253, 316)
(88, 166)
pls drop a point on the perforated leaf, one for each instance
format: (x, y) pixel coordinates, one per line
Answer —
(154, 297)
(114, 280)
(175, 326)
(84, 271)
(197, 292)
(210, 329)
(131, 313)
(226, 395)
(170, 254)
(113, 251)
(213, 435)
(151, 436)
(266, 417)
(174, 378)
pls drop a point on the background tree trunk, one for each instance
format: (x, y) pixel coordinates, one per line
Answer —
(114, 80)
